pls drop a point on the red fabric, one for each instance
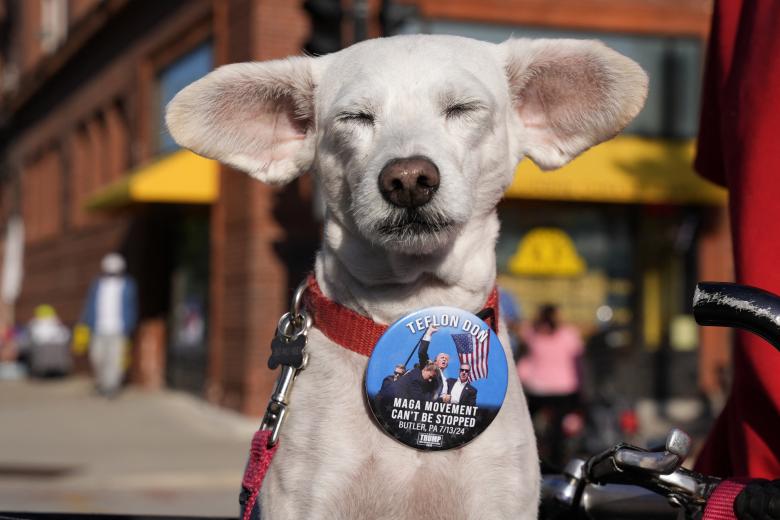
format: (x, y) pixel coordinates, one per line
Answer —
(738, 147)
(720, 505)
(260, 456)
(354, 331)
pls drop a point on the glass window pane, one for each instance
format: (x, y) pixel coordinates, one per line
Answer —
(674, 66)
(193, 65)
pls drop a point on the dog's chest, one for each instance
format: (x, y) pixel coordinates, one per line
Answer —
(335, 462)
(333, 457)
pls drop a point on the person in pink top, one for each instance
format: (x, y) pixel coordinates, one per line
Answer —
(550, 374)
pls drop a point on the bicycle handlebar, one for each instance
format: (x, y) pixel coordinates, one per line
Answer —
(602, 502)
(741, 306)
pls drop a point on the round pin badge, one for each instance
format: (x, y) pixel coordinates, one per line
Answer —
(436, 378)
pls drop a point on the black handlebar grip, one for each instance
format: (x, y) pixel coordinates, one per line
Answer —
(733, 305)
(760, 500)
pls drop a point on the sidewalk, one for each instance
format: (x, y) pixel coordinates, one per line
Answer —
(63, 448)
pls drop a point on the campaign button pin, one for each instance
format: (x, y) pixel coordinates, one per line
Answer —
(436, 378)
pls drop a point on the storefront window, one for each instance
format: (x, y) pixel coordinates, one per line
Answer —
(578, 256)
(193, 65)
(673, 65)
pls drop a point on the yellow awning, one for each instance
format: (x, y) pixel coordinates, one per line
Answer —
(181, 177)
(627, 169)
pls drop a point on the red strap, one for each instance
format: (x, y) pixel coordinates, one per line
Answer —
(341, 325)
(354, 331)
(720, 505)
(260, 456)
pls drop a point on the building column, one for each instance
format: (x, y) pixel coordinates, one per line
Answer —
(249, 282)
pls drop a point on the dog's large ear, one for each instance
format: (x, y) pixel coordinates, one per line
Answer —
(570, 95)
(257, 117)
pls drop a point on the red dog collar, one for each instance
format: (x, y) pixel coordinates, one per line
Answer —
(360, 333)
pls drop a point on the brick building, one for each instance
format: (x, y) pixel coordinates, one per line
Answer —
(85, 161)
(85, 83)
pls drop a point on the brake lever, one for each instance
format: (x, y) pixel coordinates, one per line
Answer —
(658, 471)
(676, 449)
(611, 465)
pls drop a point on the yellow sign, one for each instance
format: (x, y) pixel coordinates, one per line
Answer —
(546, 252)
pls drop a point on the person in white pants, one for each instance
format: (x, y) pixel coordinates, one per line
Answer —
(111, 313)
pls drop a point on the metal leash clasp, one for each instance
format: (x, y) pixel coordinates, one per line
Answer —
(288, 352)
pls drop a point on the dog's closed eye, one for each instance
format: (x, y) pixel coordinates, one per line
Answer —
(360, 117)
(460, 109)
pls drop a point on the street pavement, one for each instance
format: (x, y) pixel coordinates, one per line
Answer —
(65, 449)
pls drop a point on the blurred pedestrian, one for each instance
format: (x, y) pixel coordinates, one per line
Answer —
(111, 312)
(551, 376)
(11, 366)
(9, 351)
(737, 147)
(47, 341)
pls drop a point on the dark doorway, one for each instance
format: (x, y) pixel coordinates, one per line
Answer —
(168, 254)
(187, 351)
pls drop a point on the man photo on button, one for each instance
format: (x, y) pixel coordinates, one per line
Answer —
(460, 391)
(442, 362)
(418, 383)
(392, 378)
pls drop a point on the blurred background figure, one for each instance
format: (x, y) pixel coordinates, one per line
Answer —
(551, 376)
(47, 341)
(110, 313)
(10, 365)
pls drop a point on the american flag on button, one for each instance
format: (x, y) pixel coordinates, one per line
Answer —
(474, 352)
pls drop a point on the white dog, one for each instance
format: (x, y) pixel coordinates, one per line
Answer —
(414, 140)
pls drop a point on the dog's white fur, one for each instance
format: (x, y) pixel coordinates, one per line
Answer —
(475, 109)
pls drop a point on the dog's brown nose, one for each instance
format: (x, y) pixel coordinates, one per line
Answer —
(409, 182)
